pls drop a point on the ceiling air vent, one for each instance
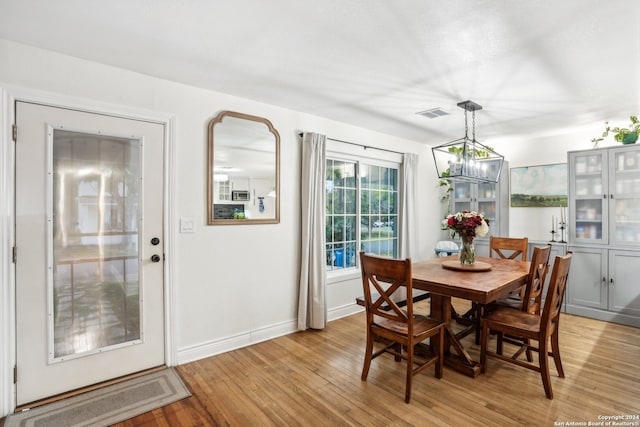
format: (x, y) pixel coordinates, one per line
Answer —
(433, 113)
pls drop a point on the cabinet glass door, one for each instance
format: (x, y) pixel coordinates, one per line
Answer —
(486, 198)
(624, 200)
(462, 197)
(589, 213)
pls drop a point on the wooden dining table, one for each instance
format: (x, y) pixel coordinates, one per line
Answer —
(497, 279)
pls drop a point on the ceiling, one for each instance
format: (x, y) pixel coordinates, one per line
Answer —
(536, 66)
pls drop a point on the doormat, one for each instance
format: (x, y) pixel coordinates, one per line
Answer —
(108, 405)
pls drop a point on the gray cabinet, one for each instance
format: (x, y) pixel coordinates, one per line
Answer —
(603, 284)
(491, 199)
(604, 234)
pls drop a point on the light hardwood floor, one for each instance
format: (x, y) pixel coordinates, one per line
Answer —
(312, 378)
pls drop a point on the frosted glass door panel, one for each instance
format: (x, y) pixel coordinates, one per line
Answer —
(489, 210)
(487, 191)
(590, 202)
(625, 198)
(589, 219)
(95, 190)
(588, 164)
(626, 221)
(462, 206)
(462, 191)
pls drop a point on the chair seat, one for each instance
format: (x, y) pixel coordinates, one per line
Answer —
(508, 319)
(421, 325)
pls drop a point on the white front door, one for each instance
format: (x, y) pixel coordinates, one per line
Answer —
(89, 243)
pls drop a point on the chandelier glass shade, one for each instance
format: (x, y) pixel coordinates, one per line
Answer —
(466, 159)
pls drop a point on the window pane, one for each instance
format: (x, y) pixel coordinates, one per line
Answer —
(350, 227)
(338, 200)
(374, 176)
(364, 176)
(329, 229)
(350, 199)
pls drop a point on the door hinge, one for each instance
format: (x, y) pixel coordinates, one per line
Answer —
(14, 256)
(14, 131)
(15, 374)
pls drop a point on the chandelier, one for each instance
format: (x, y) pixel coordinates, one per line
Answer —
(466, 159)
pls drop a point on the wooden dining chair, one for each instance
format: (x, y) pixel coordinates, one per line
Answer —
(399, 330)
(505, 248)
(529, 327)
(532, 300)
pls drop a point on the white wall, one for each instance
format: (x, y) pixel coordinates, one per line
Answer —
(234, 285)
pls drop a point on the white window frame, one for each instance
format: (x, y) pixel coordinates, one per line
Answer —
(350, 153)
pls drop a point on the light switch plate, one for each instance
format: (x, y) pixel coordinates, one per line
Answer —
(187, 225)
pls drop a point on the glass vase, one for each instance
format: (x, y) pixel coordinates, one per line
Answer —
(467, 255)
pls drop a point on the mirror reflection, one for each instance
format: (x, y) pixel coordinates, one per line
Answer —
(243, 170)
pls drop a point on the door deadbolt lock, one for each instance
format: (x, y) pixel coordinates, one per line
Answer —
(155, 241)
(155, 258)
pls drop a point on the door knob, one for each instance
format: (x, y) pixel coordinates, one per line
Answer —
(155, 241)
(155, 258)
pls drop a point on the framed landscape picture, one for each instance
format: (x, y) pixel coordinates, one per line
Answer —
(539, 186)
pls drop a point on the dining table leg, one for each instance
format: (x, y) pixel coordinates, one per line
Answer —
(460, 359)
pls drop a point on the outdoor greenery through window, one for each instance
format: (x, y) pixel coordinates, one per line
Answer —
(361, 214)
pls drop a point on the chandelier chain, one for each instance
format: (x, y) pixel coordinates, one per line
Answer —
(466, 126)
(473, 125)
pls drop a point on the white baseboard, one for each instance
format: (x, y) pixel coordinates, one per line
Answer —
(211, 348)
(344, 311)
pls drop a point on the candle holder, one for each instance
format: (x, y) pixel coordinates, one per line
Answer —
(563, 226)
(553, 236)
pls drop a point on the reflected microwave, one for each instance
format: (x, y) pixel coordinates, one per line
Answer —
(240, 196)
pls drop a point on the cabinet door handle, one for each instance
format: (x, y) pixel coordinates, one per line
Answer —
(611, 281)
(611, 196)
(604, 196)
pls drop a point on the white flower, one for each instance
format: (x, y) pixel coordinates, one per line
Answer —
(482, 229)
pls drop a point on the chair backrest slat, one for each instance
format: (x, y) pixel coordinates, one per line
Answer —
(532, 300)
(508, 247)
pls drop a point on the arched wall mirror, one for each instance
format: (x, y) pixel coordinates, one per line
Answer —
(243, 173)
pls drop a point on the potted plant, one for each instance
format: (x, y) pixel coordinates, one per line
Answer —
(628, 135)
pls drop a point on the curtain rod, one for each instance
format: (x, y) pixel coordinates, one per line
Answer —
(360, 145)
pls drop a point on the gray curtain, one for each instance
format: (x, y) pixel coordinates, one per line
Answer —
(408, 210)
(312, 306)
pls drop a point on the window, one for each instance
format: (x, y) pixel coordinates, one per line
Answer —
(361, 214)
